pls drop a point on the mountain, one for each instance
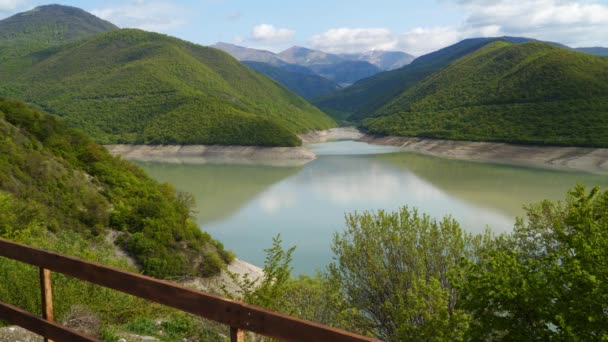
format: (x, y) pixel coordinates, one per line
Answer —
(131, 86)
(330, 66)
(49, 25)
(307, 57)
(306, 84)
(41, 28)
(246, 54)
(598, 51)
(384, 60)
(343, 69)
(299, 79)
(55, 182)
(346, 72)
(365, 97)
(532, 93)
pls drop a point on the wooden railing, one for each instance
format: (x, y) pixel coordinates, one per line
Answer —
(238, 316)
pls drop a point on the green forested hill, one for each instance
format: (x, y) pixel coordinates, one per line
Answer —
(42, 27)
(131, 86)
(54, 179)
(523, 93)
(363, 98)
(50, 25)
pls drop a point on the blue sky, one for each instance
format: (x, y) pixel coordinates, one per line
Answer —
(416, 27)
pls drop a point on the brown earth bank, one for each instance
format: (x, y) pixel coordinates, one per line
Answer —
(593, 160)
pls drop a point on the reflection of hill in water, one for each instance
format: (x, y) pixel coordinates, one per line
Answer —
(214, 187)
(504, 188)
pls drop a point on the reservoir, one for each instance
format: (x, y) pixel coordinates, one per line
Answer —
(245, 206)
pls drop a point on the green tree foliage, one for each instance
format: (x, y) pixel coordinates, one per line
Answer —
(23, 35)
(270, 291)
(531, 93)
(549, 279)
(77, 185)
(24, 221)
(399, 270)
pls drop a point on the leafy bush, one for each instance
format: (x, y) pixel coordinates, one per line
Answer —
(77, 185)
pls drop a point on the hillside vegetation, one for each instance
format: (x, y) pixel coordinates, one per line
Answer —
(131, 86)
(25, 33)
(523, 93)
(48, 25)
(57, 180)
(363, 98)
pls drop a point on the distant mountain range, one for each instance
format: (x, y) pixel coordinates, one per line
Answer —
(340, 69)
(385, 60)
(131, 86)
(598, 51)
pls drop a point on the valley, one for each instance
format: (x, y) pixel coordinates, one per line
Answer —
(457, 192)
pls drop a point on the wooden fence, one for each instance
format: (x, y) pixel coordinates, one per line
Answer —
(238, 316)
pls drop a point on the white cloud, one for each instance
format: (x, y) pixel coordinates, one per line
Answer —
(423, 40)
(157, 16)
(571, 22)
(268, 34)
(10, 5)
(417, 41)
(349, 40)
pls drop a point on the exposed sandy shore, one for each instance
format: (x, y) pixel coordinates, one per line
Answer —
(594, 160)
(202, 154)
(333, 134)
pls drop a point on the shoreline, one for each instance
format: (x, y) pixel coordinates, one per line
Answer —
(237, 155)
(581, 159)
(214, 154)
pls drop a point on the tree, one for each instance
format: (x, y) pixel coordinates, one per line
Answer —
(400, 271)
(269, 291)
(549, 279)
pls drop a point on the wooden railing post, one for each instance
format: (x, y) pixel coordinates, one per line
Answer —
(46, 290)
(237, 335)
(239, 316)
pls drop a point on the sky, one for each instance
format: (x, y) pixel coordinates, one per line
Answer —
(347, 26)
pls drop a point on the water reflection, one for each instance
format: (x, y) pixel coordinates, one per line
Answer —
(220, 190)
(497, 187)
(245, 206)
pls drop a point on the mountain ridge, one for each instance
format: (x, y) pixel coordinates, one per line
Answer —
(528, 93)
(132, 86)
(365, 97)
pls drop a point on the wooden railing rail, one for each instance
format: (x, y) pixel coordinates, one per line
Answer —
(238, 316)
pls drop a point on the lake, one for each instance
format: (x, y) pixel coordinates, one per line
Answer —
(245, 206)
